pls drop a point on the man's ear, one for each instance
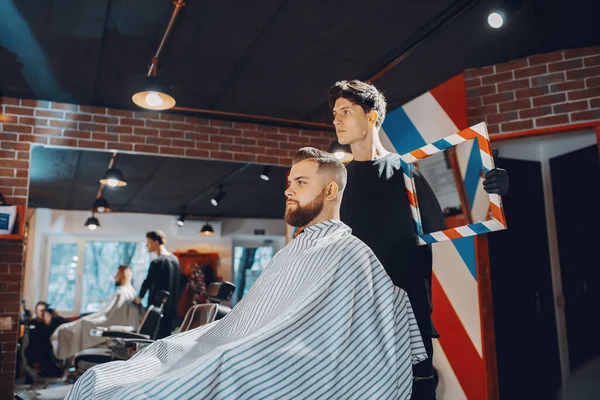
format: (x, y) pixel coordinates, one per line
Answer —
(332, 191)
(373, 115)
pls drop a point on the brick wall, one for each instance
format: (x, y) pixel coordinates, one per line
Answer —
(537, 92)
(27, 122)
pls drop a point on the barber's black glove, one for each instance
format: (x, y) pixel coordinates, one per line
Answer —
(496, 181)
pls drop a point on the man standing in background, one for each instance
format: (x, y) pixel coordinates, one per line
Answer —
(164, 274)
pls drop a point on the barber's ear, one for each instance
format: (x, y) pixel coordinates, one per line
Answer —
(373, 115)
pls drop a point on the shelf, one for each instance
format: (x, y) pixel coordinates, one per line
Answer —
(20, 224)
(12, 238)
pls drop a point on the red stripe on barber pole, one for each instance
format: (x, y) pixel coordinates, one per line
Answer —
(484, 145)
(453, 233)
(497, 213)
(451, 97)
(459, 349)
(411, 198)
(419, 154)
(468, 134)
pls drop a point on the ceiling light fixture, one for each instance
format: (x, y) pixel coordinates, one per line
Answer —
(265, 174)
(218, 197)
(342, 152)
(207, 230)
(181, 220)
(499, 16)
(155, 93)
(101, 205)
(92, 223)
(495, 20)
(113, 177)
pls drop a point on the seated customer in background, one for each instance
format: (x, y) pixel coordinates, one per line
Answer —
(322, 321)
(39, 350)
(70, 338)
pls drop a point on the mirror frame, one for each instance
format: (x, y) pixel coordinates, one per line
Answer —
(498, 222)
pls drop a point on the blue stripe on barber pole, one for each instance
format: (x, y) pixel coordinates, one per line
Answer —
(442, 144)
(479, 228)
(428, 238)
(466, 249)
(472, 174)
(402, 132)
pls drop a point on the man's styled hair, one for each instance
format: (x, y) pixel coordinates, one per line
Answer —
(41, 303)
(327, 162)
(364, 94)
(158, 236)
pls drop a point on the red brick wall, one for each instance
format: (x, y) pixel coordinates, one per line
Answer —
(26, 122)
(11, 276)
(537, 92)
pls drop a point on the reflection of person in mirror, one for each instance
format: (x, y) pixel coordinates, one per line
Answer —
(164, 274)
(376, 207)
(322, 321)
(72, 337)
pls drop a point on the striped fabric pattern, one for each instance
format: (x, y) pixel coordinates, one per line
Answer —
(323, 321)
(479, 133)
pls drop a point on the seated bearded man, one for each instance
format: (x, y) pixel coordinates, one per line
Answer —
(322, 321)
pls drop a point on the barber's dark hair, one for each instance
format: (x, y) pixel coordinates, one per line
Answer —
(364, 94)
(158, 236)
(327, 162)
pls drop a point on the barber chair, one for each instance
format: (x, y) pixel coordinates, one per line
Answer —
(196, 316)
(147, 330)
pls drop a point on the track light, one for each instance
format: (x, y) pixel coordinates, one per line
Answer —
(113, 177)
(342, 152)
(101, 205)
(181, 220)
(496, 20)
(215, 200)
(154, 94)
(92, 223)
(499, 16)
(207, 230)
(265, 174)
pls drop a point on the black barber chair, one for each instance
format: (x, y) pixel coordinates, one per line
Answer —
(147, 330)
(196, 316)
(218, 292)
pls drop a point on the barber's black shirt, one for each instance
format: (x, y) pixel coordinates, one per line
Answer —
(375, 205)
(163, 274)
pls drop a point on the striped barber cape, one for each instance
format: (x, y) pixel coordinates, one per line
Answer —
(322, 321)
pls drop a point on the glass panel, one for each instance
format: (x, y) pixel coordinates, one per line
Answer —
(254, 260)
(102, 259)
(63, 272)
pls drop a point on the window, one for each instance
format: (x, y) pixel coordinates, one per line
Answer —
(63, 273)
(102, 259)
(248, 263)
(81, 276)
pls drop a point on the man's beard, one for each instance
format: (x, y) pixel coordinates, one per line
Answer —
(303, 215)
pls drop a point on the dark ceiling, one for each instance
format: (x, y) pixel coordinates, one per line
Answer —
(68, 180)
(270, 57)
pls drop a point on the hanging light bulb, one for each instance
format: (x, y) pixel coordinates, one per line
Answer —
(207, 230)
(181, 220)
(101, 205)
(92, 223)
(113, 177)
(342, 152)
(154, 94)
